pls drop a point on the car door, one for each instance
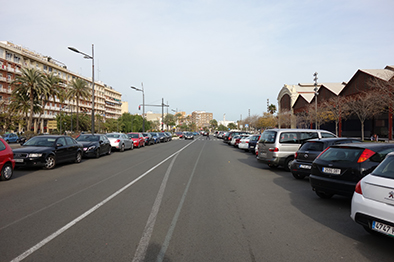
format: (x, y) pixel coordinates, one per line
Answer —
(72, 148)
(62, 152)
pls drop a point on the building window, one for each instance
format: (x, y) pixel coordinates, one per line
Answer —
(8, 56)
(17, 59)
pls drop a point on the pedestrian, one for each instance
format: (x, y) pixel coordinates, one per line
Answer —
(207, 136)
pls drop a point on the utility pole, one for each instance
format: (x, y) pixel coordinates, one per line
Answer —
(316, 94)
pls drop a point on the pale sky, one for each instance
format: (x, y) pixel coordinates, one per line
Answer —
(219, 56)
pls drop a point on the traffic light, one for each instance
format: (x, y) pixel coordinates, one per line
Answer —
(139, 107)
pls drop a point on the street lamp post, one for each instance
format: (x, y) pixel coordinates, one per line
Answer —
(88, 57)
(143, 104)
(316, 94)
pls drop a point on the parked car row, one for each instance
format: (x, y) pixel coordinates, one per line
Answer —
(49, 150)
(338, 166)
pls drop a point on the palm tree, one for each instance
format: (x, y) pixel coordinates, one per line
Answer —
(30, 83)
(78, 90)
(20, 104)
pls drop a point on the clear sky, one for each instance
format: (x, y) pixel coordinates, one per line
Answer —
(219, 56)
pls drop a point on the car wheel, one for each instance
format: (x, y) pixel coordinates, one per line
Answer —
(324, 195)
(97, 153)
(109, 151)
(6, 172)
(78, 158)
(287, 164)
(298, 176)
(132, 146)
(121, 148)
(50, 162)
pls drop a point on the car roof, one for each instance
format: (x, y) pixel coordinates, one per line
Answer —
(330, 139)
(369, 145)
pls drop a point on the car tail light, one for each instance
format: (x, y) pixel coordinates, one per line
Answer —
(367, 153)
(322, 152)
(273, 149)
(295, 155)
(358, 188)
(117, 141)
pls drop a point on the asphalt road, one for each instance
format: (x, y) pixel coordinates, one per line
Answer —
(195, 200)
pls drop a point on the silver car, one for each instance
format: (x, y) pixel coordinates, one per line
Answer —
(120, 141)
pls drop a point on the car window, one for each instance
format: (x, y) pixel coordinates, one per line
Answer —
(69, 140)
(327, 135)
(41, 141)
(2, 146)
(341, 154)
(312, 146)
(61, 140)
(113, 135)
(268, 137)
(288, 138)
(380, 155)
(386, 168)
(308, 135)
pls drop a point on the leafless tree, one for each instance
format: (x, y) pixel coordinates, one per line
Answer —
(337, 109)
(365, 105)
(303, 119)
(284, 119)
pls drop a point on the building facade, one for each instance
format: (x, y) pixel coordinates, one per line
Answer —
(201, 118)
(107, 101)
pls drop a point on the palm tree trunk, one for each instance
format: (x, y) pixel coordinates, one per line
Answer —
(29, 123)
(77, 115)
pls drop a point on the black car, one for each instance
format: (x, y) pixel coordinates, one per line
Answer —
(155, 137)
(94, 145)
(252, 143)
(303, 158)
(149, 140)
(188, 135)
(339, 168)
(169, 135)
(163, 137)
(47, 151)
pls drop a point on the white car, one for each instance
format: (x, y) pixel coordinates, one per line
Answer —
(373, 199)
(120, 141)
(244, 143)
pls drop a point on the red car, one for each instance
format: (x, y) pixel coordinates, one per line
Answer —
(138, 139)
(7, 162)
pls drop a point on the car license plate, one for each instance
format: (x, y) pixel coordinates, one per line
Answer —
(263, 154)
(383, 228)
(251, 146)
(19, 160)
(329, 170)
(305, 166)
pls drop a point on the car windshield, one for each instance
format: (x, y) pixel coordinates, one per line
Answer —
(132, 135)
(341, 154)
(386, 168)
(88, 138)
(41, 141)
(113, 135)
(312, 146)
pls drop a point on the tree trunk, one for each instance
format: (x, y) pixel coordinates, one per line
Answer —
(77, 115)
(29, 123)
(362, 130)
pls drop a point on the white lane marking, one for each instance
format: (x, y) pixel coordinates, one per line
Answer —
(144, 242)
(168, 237)
(72, 223)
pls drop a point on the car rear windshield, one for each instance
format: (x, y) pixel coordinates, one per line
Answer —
(113, 135)
(268, 137)
(342, 154)
(312, 146)
(386, 168)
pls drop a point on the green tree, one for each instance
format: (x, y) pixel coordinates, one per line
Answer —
(222, 128)
(30, 82)
(271, 109)
(213, 124)
(232, 126)
(78, 90)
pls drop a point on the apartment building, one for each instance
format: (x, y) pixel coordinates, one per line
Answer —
(201, 118)
(107, 101)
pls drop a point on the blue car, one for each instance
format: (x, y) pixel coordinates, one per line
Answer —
(10, 138)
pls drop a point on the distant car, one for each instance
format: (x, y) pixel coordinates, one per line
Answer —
(120, 141)
(10, 137)
(163, 137)
(179, 134)
(169, 135)
(303, 158)
(94, 145)
(244, 143)
(155, 137)
(253, 142)
(338, 169)
(137, 138)
(7, 162)
(188, 135)
(47, 151)
(373, 199)
(148, 139)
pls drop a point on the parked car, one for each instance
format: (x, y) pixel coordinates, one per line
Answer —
(155, 137)
(7, 162)
(238, 139)
(137, 138)
(120, 141)
(11, 137)
(277, 146)
(244, 143)
(253, 142)
(188, 135)
(169, 135)
(303, 158)
(373, 199)
(338, 169)
(47, 151)
(233, 139)
(179, 134)
(94, 145)
(228, 137)
(148, 139)
(163, 137)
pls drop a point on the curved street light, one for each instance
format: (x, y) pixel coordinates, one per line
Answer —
(143, 104)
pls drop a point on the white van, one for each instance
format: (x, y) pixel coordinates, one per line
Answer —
(277, 146)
